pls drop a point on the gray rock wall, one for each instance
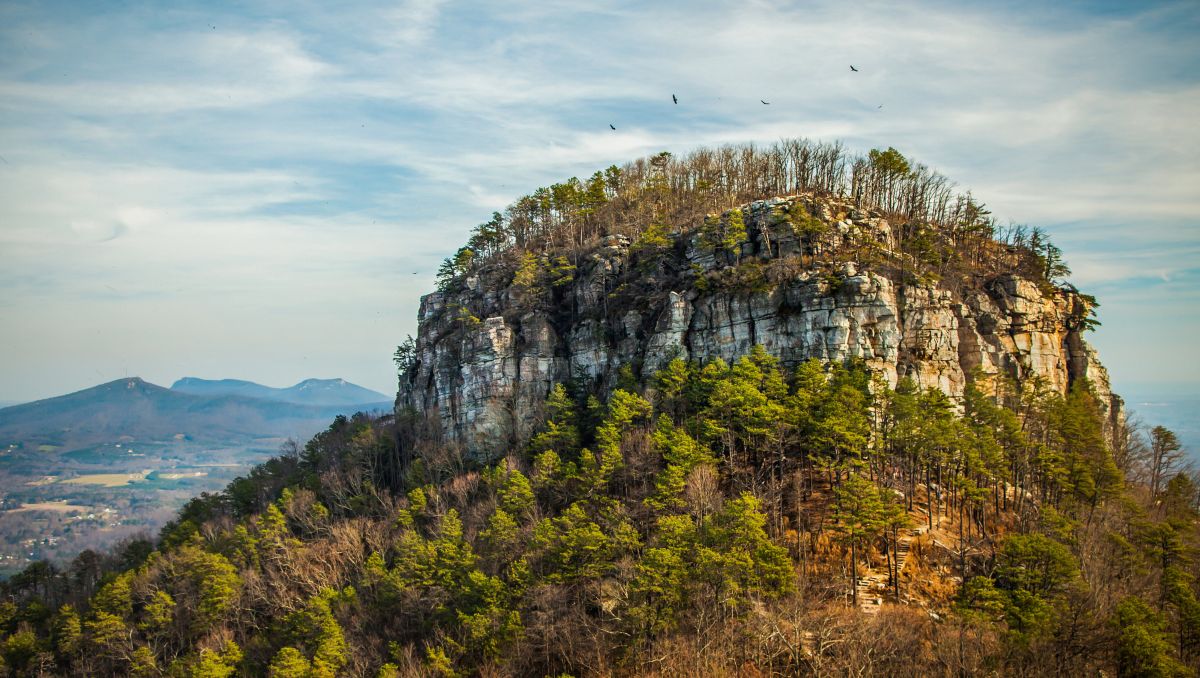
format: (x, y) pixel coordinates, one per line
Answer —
(487, 356)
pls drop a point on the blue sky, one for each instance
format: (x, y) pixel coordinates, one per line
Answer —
(218, 190)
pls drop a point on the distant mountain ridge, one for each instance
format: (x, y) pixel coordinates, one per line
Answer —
(139, 410)
(307, 392)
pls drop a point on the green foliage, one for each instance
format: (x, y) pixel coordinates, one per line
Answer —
(405, 356)
(455, 267)
(727, 561)
(574, 546)
(671, 383)
(980, 599)
(107, 635)
(464, 318)
(681, 454)
(890, 163)
(1085, 314)
(536, 274)
(441, 561)
(19, 649)
(273, 532)
(1035, 572)
(547, 472)
(860, 509)
(439, 664)
(212, 664)
(650, 246)
(561, 272)
(315, 630)
(749, 561)
(1142, 646)
(593, 472)
(526, 275)
(486, 618)
(500, 536)
(67, 632)
(1035, 563)
(804, 224)
(207, 583)
(158, 613)
(514, 494)
(115, 598)
(143, 664)
(560, 432)
(724, 234)
(747, 277)
(289, 663)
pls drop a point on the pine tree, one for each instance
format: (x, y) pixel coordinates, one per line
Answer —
(860, 518)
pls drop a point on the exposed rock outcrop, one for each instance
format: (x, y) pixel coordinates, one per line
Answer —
(488, 352)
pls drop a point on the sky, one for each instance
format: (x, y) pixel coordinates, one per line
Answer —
(264, 190)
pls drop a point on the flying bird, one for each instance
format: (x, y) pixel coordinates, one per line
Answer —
(765, 103)
(611, 125)
(674, 98)
(853, 68)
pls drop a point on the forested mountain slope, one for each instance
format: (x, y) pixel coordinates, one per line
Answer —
(732, 505)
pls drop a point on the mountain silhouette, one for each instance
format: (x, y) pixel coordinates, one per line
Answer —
(135, 409)
(307, 392)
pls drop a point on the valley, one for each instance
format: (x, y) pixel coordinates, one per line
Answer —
(56, 505)
(117, 461)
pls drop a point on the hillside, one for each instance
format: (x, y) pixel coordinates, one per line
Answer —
(841, 425)
(90, 468)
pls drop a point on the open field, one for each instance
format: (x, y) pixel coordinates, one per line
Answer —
(63, 506)
(107, 479)
(47, 498)
(180, 476)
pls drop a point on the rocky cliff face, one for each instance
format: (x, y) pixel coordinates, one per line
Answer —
(488, 352)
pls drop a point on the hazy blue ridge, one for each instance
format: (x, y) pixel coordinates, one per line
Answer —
(139, 410)
(308, 392)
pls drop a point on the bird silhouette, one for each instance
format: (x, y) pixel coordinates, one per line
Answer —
(853, 68)
(765, 103)
(674, 98)
(611, 125)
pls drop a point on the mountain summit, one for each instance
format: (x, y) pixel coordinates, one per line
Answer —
(307, 392)
(809, 254)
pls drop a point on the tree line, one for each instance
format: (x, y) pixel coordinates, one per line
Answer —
(673, 194)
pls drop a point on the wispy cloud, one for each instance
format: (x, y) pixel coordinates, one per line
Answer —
(231, 180)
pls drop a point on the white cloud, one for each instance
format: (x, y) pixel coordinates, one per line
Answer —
(179, 72)
(412, 23)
